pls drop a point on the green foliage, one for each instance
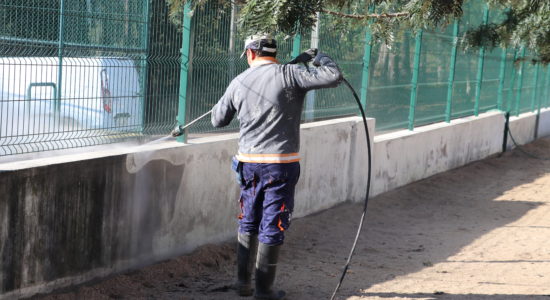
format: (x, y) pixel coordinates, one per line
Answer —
(285, 16)
(175, 7)
(175, 11)
(526, 23)
(422, 14)
(430, 13)
(484, 35)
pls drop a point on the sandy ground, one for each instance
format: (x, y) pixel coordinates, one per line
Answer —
(478, 232)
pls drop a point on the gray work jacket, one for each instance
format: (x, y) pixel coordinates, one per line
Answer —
(268, 100)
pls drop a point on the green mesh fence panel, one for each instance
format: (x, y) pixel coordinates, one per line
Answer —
(544, 84)
(491, 71)
(162, 66)
(433, 77)
(527, 102)
(491, 80)
(510, 80)
(346, 46)
(542, 87)
(389, 90)
(87, 72)
(466, 65)
(215, 60)
(71, 73)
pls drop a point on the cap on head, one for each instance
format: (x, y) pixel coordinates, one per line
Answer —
(262, 42)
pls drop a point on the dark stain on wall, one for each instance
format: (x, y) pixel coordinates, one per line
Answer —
(66, 219)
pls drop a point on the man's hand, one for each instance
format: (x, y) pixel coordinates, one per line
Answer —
(305, 57)
(317, 59)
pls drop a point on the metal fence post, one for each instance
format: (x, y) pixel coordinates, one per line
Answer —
(535, 96)
(544, 88)
(480, 63)
(60, 55)
(232, 36)
(366, 63)
(535, 92)
(184, 69)
(512, 82)
(144, 63)
(520, 81)
(296, 47)
(296, 42)
(414, 80)
(310, 96)
(501, 78)
(448, 108)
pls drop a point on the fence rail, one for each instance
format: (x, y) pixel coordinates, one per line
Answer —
(88, 72)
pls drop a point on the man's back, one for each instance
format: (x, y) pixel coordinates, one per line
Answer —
(268, 100)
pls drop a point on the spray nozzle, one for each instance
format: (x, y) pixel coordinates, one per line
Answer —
(180, 129)
(177, 131)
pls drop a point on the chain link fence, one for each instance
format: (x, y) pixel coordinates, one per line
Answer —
(88, 72)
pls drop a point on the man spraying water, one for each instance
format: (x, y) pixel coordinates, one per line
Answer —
(268, 99)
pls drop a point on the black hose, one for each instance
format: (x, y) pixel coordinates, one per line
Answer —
(520, 149)
(360, 227)
(507, 133)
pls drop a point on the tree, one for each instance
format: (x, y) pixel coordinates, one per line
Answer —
(526, 22)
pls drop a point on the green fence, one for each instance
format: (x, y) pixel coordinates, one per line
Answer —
(88, 72)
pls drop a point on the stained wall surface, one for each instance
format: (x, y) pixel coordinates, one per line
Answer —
(67, 219)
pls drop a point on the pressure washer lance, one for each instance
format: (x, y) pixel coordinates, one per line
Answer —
(180, 129)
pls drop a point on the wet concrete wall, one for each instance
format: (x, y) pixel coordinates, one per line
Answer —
(65, 220)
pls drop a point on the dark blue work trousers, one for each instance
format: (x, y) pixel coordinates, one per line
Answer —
(267, 199)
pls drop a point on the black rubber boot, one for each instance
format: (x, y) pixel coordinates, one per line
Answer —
(266, 267)
(246, 251)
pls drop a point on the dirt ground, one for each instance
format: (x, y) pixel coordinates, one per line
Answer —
(478, 232)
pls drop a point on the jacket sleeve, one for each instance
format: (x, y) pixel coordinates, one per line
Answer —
(326, 75)
(223, 111)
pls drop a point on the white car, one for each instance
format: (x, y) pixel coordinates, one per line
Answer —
(102, 94)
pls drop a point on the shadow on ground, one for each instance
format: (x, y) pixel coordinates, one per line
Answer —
(443, 296)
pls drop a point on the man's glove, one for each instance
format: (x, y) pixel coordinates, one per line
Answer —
(304, 57)
(317, 59)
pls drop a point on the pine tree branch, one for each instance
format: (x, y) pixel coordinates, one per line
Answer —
(360, 17)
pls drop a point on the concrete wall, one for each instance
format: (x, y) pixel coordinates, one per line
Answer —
(64, 220)
(544, 123)
(331, 151)
(68, 219)
(522, 129)
(406, 156)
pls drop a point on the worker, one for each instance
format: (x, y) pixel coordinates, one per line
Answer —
(268, 99)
